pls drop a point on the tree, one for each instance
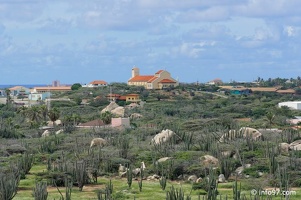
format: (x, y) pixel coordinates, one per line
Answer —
(34, 113)
(53, 115)
(106, 117)
(76, 86)
(8, 98)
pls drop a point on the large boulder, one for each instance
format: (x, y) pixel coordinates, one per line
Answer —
(284, 147)
(162, 137)
(119, 111)
(244, 132)
(250, 132)
(296, 145)
(208, 161)
(110, 107)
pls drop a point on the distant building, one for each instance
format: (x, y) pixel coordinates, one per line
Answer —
(96, 83)
(17, 90)
(56, 83)
(296, 105)
(51, 89)
(120, 122)
(126, 97)
(160, 80)
(38, 96)
(216, 81)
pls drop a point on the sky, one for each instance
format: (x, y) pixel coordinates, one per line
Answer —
(76, 41)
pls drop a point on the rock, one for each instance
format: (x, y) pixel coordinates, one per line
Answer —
(199, 180)
(295, 145)
(221, 178)
(208, 160)
(119, 111)
(284, 147)
(192, 178)
(110, 107)
(164, 159)
(162, 137)
(136, 116)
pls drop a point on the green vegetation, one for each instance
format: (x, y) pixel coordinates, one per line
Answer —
(63, 166)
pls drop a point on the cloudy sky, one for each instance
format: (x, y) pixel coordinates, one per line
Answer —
(195, 40)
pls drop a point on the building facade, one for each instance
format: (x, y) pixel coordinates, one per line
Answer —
(160, 80)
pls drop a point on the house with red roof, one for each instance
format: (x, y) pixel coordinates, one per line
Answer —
(160, 80)
(96, 83)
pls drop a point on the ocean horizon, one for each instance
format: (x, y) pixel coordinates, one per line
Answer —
(23, 85)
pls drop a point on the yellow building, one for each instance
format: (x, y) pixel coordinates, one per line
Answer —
(159, 80)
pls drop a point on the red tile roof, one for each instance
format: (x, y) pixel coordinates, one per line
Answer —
(141, 78)
(113, 95)
(159, 72)
(166, 81)
(99, 82)
(152, 79)
(134, 95)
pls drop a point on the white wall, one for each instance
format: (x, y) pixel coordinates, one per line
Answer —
(291, 104)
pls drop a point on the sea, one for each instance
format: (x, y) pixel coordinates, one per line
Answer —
(25, 85)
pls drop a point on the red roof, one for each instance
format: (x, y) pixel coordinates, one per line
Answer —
(134, 95)
(113, 95)
(141, 78)
(166, 81)
(159, 72)
(152, 79)
(99, 82)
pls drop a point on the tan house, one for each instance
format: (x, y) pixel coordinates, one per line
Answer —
(132, 97)
(159, 80)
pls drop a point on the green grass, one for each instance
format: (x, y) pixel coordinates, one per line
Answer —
(150, 190)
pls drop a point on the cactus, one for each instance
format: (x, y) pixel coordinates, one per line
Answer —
(163, 182)
(80, 173)
(129, 176)
(175, 194)
(141, 178)
(236, 191)
(25, 163)
(40, 191)
(9, 185)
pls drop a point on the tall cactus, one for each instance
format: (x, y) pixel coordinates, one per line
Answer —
(81, 174)
(40, 191)
(129, 176)
(9, 185)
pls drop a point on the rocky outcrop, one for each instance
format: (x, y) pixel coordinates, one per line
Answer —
(163, 137)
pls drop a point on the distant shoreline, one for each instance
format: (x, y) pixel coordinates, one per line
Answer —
(24, 85)
(30, 86)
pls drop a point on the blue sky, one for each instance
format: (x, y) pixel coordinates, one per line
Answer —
(77, 41)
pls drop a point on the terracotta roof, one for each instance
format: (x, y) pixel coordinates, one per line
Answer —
(53, 88)
(141, 78)
(17, 88)
(132, 95)
(99, 82)
(288, 91)
(113, 95)
(159, 72)
(166, 81)
(264, 89)
(152, 79)
(122, 98)
(96, 122)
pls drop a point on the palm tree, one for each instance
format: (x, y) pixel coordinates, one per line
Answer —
(53, 115)
(8, 98)
(34, 113)
(106, 117)
(44, 111)
(270, 118)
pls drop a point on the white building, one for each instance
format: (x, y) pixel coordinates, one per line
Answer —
(296, 105)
